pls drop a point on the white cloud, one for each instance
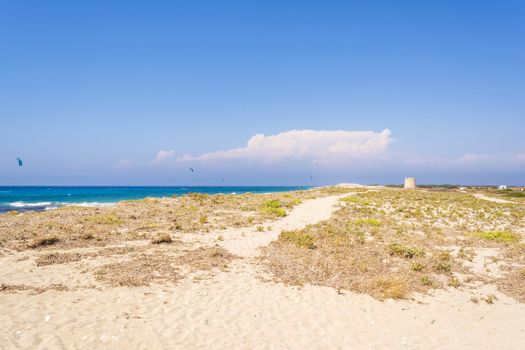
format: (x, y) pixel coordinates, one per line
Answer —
(306, 144)
(163, 156)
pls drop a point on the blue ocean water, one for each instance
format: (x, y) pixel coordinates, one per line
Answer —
(24, 198)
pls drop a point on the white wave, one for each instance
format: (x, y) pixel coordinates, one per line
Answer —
(29, 205)
(88, 204)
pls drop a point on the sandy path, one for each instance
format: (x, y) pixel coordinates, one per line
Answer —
(491, 199)
(245, 242)
(236, 310)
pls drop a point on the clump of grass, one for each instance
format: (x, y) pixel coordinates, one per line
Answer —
(206, 259)
(416, 266)
(354, 200)
(489, 299)
(515, 194)
(105, 219)
(273, 207)
(395, 288)
(299, 238)
(426, 281)
(403, 251)
(260, 228)
(45, 241)
(498, 236)
(140, 271)
(454, 282)
(57, 258)
(443, 266)
(162, 238)
(369, 221)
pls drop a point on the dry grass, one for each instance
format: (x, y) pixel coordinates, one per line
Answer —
(206, 259)
(71, 227)
(389, 243)
(162, 238)
(139, 271)
(57, 258)
(162, 267)
(13, 288)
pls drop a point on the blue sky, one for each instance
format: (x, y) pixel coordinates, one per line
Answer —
(91, 92)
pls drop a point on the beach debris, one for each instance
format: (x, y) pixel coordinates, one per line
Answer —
(47, 318)
(20, 162)
(410, 183)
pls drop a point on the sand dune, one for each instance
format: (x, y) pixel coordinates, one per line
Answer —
(239, 309)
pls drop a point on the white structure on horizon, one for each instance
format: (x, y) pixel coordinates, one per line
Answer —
(502, 187)
(410, 183)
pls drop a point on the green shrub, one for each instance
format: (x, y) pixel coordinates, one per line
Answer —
(354, 200)
(371, 222)
(418, 267)
(498, 236)
(299, 238)
(405, 252)
(273, 207)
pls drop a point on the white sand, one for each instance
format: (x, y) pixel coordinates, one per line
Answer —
(491, 199)
(236, 310)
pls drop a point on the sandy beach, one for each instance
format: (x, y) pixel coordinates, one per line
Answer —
(236, 304)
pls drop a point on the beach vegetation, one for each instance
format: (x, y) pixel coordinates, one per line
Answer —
(273, 207)
(498, 236)
(403, 251)
(299, 238)
(162, 239)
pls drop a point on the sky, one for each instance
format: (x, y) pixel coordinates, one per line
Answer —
(262, 92)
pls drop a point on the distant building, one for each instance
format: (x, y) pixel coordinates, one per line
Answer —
(410, 183)
(502, 187)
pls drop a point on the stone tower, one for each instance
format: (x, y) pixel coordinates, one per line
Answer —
(410, 183)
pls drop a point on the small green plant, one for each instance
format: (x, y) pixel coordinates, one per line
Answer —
(299, 238)
(370, 222)
(354, 200)
(426, 281)
(403, 251)
(273, 207)
(260, 228)
(454, 282)
(416, 266)
(443, 266)
(498, 236)
(462, 254)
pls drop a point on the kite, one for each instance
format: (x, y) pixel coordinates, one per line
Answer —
(19, 161)
(192, 170)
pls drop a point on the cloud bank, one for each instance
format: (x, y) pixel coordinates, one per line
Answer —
(163, 156)
(338, 145)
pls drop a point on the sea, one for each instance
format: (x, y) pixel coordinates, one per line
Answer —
(38, 198)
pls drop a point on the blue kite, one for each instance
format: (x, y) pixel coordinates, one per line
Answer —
(20, 163)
